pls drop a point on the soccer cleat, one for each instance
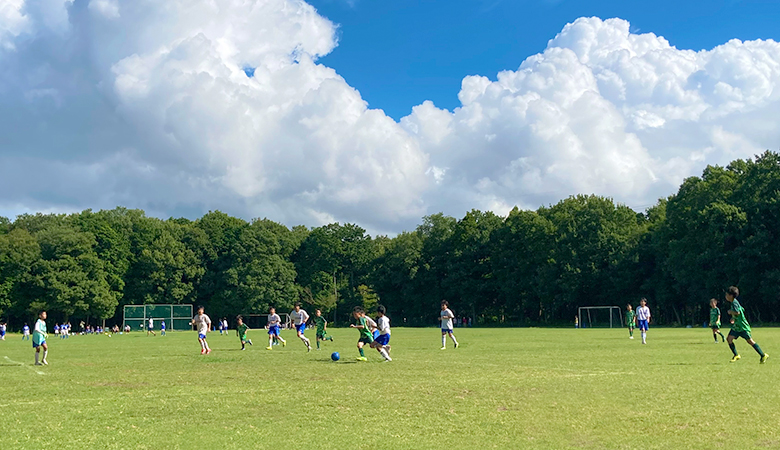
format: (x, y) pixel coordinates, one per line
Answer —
(362, 358)
(250, 342)
(736, 358)
(457, 345)
(764, 358)
(203, 351)
(269, 348)
(631, 337)
(208, 351)
(443, 348)
(243, 348)
(284, 343)
(45, 363)
(38, 364)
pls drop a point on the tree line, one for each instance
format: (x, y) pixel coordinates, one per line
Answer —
(528, 268)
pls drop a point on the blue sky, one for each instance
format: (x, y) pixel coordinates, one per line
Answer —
(144, 104)
(402, 52)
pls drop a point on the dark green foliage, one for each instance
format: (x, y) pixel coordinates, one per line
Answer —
(531, 267)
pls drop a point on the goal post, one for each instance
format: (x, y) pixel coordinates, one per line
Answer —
(600, 317)
(176, 317)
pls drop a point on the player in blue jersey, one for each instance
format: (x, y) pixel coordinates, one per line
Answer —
(162, 328)
(2, 331)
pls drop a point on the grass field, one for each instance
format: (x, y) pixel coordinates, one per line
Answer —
(503, 388)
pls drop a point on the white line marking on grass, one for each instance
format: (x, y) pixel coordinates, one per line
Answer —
(25, 365)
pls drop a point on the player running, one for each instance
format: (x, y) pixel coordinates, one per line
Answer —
(740, 328)
(203, 325)
(446, 325)
(381, 343)
(715, 320)
(241, 329)
(365, 336)
(299, 318)
(39, 339)
(322, 328)
(643, 318)
(630, 320)
(274, 322)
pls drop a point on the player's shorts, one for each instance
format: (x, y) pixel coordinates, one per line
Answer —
(366, 340)
(201, 336)
(273, 330)
(715, 327)
(243, 338)
(741, 334)
(631, 326)
(321, 334)
(644, 325)
(375, 333)
(382, 339)
(300, 328)
(2, 333)
(38, 344)
(150, 328)
(446, 330)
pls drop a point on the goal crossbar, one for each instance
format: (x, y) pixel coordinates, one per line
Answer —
(583, 312)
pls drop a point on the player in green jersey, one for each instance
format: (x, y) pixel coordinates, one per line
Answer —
(366, 337)
(630, 320)
(322, 328)
(39, 339)
(715, 320)
(740, 328)
(241, 329)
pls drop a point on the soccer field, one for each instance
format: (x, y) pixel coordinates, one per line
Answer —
(503, 388)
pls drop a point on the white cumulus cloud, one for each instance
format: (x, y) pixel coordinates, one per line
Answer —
(148, 104)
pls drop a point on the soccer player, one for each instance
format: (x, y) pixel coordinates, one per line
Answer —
(381, 343)
(576, 321)
(299, 318)
(203, 324)
(241, 329)
(365, 336)
(740, 328)
(715, 320)
(225, 325)
(630, 320)
(2, 331)
(26, 332)
(322, 328)
(162, 328)
(150, 328)
(643, 318)
(39, 339)
(273, 329)
(446, 325)
(57, 329)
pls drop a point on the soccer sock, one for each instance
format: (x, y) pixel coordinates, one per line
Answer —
(384, 354)
(631, 332)
(733, 349)
(455, 341)
(206, 345)
(318, 344)
(644, 336)
(443, 340)
(721, 336)
(36, 357)
(330, 338)
(361, 352)
(715, 336)
(758, 349)
(45, 354)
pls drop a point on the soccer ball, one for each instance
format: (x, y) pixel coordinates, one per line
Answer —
(335, 356)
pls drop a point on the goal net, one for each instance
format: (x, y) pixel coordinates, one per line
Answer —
(176, 317)
(259, 321)
(600, 317)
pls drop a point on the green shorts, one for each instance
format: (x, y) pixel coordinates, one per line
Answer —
(630, 326)
(715, 327)
(243, 338)
(366, 340)
(741, 334)
(321, 334)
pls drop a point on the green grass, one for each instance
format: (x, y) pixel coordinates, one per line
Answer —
(503, 388)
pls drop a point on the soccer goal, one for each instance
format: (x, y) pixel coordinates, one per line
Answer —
(176, 317)
(259, 321)
(600, 317)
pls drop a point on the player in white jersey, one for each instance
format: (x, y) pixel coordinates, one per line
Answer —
(382, 341)
(643, 318)
(447, 325)
(150, 327)
(299, 318)
(225, 325)
(274, 322)
(203, 325)
(26, 332)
